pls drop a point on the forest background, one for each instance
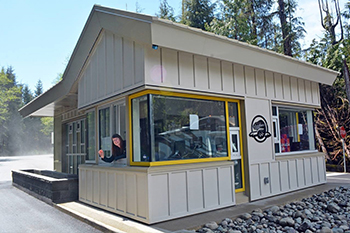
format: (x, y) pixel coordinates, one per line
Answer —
(269, 24)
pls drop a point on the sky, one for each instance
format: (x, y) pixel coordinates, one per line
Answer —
(38, 36)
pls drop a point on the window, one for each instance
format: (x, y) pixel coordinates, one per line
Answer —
(177, 128)
(90, 135)
(293, 129)
(104, 134)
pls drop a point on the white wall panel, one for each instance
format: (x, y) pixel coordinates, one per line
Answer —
(250, 83)
(131, 206)
(270, 86)
(315, 93)
(284, 175)
(260, 83)
(139, 63)
(308, 173)
(110, 72)
(294, 89)
(215, 78)
(254, 182)
(275, 182)
(300, 173)
(239, 80)
(292, 169)
(121, 192)
(226, 186)
(142, 195)
(96, 189)
(211, 197)
(118, 63)
(89, 186)
(128, 63)
(308, 91)
(264, 173)
(314, 169)
(153, 68)
(301, 89)
(201, 72)
(286, 87)
(186, 70)
(103, 186)
(112, 194)
(83, 184)
(170, 67)
(321, 169)
(227, 77)
(101, 69)
(178, 193)
(195, 191)
(278, 86)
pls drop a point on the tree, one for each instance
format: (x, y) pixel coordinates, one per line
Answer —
(292, 27)
(27, 95)
(250, 21)
(38, 88)
(10, 121)
(197, 13)
(166, 11)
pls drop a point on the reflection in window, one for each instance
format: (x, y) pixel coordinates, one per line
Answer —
(90, 135)
(104, 131)
(140, 129)
(181, 128)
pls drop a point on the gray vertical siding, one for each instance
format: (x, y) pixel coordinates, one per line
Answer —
(116, 65)
(177, 69)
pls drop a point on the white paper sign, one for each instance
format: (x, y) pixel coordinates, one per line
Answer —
(194, 123)
(300, 129)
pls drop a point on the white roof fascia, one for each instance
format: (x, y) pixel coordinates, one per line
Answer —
(199, 42)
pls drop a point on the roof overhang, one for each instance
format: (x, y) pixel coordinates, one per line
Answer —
(204, 43)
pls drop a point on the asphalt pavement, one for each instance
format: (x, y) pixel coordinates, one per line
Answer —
(20, 212)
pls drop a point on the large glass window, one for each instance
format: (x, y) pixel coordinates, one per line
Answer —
(177, 128)
(296, 132)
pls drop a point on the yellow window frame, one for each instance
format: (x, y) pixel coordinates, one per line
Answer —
(187, 161)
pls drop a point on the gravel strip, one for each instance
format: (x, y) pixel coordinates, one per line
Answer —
(325, 212)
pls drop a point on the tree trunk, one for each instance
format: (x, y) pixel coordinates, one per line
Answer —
(287, 50)
(346, 78)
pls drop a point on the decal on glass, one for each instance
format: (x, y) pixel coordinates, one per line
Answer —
(259, 129)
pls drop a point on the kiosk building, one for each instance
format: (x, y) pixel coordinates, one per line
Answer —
(208, 122)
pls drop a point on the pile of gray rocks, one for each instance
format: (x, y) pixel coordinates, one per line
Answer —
(325, 212)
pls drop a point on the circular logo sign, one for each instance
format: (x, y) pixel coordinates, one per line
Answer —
(259, 129)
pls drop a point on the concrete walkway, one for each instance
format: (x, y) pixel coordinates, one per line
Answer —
(109, 222)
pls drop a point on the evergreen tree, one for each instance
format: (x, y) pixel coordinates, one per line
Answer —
(166, 11)
(10, 120)
(27, 95)
(292, 27)
(197, 13)
(250, 21)
(38, 88)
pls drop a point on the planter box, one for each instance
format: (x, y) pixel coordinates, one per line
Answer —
(49, 186)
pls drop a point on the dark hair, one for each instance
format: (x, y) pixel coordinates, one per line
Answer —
(115, 149)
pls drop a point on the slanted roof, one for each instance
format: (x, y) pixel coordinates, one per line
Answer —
(151, 30)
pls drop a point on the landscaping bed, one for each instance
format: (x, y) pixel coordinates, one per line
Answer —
(49, 186)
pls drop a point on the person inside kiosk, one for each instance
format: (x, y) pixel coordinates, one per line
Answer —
(118, 150)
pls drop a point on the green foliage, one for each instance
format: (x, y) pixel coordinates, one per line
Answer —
(166, 11)
(38, 88)
(197, 13)
(47, 126)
